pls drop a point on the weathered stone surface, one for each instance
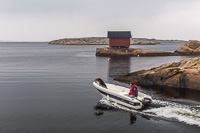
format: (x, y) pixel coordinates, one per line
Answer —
(190, 47)
(183, 74)
(107, 51)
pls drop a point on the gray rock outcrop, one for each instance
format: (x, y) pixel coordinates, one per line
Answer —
(183, 74)
(189, 48)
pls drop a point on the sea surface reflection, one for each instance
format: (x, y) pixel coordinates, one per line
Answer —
(118, 66)
(48, 89)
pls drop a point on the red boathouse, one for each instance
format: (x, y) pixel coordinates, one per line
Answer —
(119, 39)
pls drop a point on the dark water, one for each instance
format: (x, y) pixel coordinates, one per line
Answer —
(48, 89)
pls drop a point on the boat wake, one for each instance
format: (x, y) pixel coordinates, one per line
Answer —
(165, 109)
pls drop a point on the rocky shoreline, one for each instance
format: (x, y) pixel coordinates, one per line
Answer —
(81, 41)
(183, 74)
(105, 41)
(191, 47)
(107, 51)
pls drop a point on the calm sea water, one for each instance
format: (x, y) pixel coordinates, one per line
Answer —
(48, 89)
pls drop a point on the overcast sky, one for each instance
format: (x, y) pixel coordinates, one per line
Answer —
(45, 20)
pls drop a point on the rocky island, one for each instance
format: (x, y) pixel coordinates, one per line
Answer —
(104, 41)
(81, 41)
(107, 51)
(183, 74)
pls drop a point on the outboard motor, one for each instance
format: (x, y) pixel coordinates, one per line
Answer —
(146, 101)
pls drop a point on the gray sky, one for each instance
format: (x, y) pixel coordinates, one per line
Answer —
(45, 20)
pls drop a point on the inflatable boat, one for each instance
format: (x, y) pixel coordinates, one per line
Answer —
(119, 94)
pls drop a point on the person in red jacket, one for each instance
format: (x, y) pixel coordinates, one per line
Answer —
(133, 91)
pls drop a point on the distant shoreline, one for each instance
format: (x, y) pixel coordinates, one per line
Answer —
(20, 42)
(105, 41)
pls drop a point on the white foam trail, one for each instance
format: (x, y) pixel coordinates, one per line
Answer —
(183, 114)
(165, 103)
(171, 110)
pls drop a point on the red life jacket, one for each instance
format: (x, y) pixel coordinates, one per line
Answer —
(134, 90)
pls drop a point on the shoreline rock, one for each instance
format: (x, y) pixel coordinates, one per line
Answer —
(191, 47)
(107, 51)
(183, 74)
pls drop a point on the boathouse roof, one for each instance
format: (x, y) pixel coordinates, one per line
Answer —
(119, 34)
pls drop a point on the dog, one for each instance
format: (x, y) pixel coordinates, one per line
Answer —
(100, 81)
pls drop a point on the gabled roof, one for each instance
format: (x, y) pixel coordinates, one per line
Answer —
(119, 34)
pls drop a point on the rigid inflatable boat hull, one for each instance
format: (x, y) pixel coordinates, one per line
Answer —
(119, 94)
